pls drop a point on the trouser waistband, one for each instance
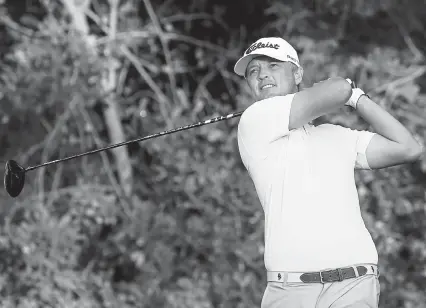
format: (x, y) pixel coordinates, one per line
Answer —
(329, 275)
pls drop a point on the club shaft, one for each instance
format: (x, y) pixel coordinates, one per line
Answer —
(163, 133)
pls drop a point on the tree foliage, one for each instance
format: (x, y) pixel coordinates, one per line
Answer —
(185, 229)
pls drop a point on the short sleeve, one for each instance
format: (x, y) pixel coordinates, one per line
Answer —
(264, 122)
(363, 139)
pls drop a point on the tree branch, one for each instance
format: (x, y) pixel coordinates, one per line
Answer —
(418, 55)
(45, 154)
(144, 74)
(108, 168)
(165, 46)
(419, 72)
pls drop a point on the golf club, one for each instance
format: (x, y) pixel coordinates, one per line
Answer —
(14, 176)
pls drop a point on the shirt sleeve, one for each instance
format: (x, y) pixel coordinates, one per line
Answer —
(264, 122)
(363, 139)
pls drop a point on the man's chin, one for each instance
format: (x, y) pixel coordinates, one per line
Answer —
(268, 95)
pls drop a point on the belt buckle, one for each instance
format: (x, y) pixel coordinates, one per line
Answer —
(321, 279)
(339, 272)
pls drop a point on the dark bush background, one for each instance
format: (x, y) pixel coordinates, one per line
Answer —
(175, 221)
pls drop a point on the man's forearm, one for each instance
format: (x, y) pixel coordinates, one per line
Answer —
(384, 123)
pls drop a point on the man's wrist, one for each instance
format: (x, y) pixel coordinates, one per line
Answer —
(364, 99)
(357, 93)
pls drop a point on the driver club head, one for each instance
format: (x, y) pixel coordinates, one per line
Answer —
(14, 178)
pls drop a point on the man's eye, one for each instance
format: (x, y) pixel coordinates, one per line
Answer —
(273, 65)
(252, 71)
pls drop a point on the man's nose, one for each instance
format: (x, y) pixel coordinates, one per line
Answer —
(263, 73)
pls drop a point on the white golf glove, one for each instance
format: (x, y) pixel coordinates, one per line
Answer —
(356, 94)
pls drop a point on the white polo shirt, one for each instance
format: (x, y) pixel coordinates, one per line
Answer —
(305, 181)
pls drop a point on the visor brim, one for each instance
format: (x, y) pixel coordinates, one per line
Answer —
(241, 65)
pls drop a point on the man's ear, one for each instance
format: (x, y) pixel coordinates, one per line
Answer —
(298, 75)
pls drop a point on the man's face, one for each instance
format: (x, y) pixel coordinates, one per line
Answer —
(268, 77)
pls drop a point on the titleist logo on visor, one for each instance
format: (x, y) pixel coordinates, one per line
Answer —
(290, 57)
(261, 45)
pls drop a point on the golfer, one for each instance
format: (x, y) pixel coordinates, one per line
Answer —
(318, 252)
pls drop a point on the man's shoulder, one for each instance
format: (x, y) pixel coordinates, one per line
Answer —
(254, 110)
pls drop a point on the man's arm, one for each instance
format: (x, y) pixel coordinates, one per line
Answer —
(322, 98)
(393, 144)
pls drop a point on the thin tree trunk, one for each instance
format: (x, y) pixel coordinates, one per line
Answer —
(76, 9)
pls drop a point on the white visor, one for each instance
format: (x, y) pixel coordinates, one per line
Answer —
(274, 47)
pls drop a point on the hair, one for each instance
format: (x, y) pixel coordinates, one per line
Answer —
(294, 67)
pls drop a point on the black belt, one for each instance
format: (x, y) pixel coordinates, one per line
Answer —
(333, 275)
(338, 274)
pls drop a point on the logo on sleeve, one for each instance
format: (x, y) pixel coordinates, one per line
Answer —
(261, 45)
(279, 276)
